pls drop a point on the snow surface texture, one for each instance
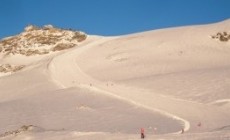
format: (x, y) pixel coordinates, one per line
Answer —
(164, 81)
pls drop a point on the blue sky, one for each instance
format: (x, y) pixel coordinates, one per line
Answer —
(109, 17)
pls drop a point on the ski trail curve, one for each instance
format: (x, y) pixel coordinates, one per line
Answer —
(69, 74)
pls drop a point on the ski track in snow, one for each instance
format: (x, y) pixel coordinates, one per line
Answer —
(220, 101)
(74, 72)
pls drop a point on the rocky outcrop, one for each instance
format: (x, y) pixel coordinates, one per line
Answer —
(222, 36)
(41, 40)
(22, 129)
(10, 68)
(38, 41)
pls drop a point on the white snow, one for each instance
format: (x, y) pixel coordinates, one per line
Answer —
(109, 87)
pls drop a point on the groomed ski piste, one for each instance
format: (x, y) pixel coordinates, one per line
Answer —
(174, 83)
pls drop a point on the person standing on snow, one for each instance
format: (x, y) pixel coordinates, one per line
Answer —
(142, 133)
(182, 131)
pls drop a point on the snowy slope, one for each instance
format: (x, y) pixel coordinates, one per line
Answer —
(110, 87)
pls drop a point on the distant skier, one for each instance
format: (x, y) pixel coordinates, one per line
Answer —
(199, 124)
(155, 130)
(142, 133)
(182, 131)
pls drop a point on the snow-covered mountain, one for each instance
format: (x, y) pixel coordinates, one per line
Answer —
(64, 84)
(38, 41)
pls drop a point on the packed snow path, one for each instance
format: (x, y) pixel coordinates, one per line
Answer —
(70, 75)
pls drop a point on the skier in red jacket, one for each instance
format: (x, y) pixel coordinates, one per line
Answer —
(142, 133)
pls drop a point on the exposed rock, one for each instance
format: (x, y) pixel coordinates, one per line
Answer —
(39, 41)
(22, 129)
(62, 46)
(222, 36)
(10, 68)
